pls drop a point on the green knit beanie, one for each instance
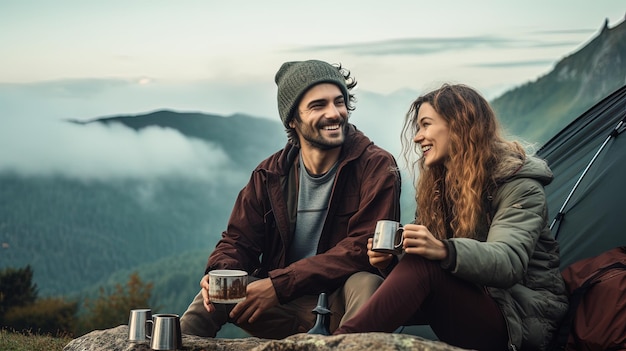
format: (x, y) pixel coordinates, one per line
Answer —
(296, 77)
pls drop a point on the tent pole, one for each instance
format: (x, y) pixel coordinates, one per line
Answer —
(614, 133)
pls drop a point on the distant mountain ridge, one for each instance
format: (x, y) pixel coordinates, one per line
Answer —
(539, 109)
(244, 138)
(79, 235)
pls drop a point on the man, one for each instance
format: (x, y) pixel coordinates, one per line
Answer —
(300, 226)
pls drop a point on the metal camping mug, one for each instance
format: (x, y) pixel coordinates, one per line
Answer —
(137, 324)
(388, 237)
(227, 286)
(164, 332)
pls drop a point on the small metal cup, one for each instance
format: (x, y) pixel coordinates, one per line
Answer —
(388, 237)
(137, 324)
(164, 333)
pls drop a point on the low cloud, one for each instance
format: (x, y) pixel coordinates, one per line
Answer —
(91, 98)
(37, 139)
(40, 147)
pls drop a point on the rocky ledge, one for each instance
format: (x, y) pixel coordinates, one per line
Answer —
(116, 339)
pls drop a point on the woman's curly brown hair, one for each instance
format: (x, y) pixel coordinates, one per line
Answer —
(451, 198)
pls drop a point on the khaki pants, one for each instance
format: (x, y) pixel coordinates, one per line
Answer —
(287, 319)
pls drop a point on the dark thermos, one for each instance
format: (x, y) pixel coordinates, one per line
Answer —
(322, 321)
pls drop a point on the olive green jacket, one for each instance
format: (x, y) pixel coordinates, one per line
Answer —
(518, 259)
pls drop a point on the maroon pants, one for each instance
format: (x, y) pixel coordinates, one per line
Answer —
(419, 291)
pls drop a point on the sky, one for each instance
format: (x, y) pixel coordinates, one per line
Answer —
(389, 45)
(81, 59)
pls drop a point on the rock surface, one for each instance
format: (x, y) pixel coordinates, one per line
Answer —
(116, 339)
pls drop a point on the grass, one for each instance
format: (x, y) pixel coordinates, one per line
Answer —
(10, 341)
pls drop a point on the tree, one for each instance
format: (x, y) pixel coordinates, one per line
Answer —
(112, 309)
(16, 288)
(53, 316)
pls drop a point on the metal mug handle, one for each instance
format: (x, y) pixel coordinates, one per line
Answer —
(401, 231)
(149, 335)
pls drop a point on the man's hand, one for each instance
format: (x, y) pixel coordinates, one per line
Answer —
(204, 285)
(378, 259)
(260, 296)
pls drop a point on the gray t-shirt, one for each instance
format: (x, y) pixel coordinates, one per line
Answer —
(313, 196)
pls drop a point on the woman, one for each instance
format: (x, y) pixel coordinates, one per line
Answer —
(479, 264)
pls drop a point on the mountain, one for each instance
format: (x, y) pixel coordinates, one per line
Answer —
(79, 233)
(245, 139)
(538, 109)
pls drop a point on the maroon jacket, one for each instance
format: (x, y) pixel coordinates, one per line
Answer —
(260, 228)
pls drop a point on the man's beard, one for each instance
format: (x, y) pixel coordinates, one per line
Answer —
(318, 141)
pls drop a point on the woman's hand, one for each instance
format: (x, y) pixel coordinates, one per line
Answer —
(419, 240)
(378, 259)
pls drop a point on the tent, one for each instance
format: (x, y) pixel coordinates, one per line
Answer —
(587, 198)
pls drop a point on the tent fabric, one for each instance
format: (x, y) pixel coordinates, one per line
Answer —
(592, 195)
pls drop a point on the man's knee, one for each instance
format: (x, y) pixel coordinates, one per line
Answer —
(357, 291)
(198, 321)
(362, 284)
